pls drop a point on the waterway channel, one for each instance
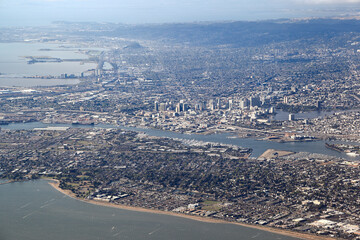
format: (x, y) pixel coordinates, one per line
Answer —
(258, 146)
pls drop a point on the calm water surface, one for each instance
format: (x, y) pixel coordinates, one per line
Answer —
(13, 64)
(33, 82)
(283, 116)
(34, 210)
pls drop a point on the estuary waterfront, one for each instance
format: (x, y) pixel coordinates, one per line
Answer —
(258, 146)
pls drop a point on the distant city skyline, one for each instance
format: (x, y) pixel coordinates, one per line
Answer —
(43, 12)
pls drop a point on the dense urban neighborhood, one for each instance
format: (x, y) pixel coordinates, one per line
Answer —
(279, 81)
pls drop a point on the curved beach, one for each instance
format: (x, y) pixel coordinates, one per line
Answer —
(55, 185)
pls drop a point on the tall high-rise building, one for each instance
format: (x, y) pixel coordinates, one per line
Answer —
(202, 106)
(162, 107)
(286, 99)
(197, 107)
(211, 104)
(230, 104)
(272, 110)
(156, 106)
(181, 104)
(255, 102)
(177, 108)
(244, 103)
(291, 117)
(318, 104)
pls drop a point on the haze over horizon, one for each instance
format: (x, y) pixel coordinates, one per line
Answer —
(43, 12)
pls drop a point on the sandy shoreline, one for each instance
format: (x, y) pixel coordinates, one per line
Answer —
(55, 184)
(6, 182)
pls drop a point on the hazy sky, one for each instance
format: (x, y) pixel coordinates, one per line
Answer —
(41, 12)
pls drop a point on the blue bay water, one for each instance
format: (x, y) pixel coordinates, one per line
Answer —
(34, 210)
(14, 66)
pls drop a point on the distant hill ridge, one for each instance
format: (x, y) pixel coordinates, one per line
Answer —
(241, 33)
(238, 33)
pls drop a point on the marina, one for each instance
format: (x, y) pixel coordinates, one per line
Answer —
(258, 146)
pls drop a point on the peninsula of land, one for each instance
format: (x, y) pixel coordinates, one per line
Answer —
(238, 78)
